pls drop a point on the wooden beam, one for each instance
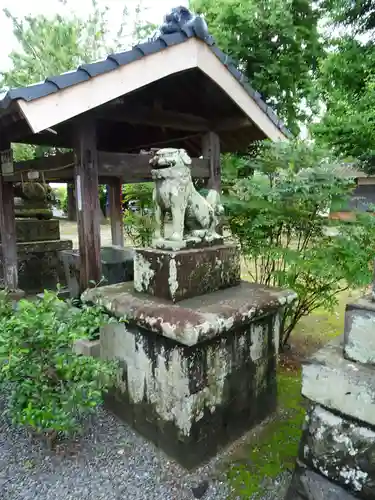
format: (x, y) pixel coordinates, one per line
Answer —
(87, 196)
(233, 123)
(211, 151)
(155, 118)
(134, 168)
(71, 201)
(8, 230)
(131, 168)
(115, 210)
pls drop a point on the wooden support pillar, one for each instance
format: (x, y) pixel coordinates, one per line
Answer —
(211, 150)
(115, 210)
(8, 228)
(86, 177)
(71, 201)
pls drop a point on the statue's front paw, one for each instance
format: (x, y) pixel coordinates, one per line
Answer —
(176, 237)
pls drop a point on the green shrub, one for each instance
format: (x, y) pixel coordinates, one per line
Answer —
(52, 388)
(139, 228)
(6, 307)
(276, 217)
(141, 193)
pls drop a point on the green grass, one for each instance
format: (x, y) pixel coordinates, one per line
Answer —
(322, 326)
(274, 449)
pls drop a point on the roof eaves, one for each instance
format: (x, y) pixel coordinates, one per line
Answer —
(242, 79)
(113, 61)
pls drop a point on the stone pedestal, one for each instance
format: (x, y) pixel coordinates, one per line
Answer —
(337, 451)
(197, 374)
(360, 331)
(32, 230)
(38, 248)
(178, 275)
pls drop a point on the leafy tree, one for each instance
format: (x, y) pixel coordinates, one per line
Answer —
(358, 15)
(277, 46)
(50, 46)
(346, 83)
(348, 88)
(277, 218)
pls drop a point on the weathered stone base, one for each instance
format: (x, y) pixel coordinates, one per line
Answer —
(340, 385)
(360, 331)
(39, 266)
(178, 275)
(337, 451)
(197, 375)
(308, 485)
(341, 449)
(192, 401)
(195, 320)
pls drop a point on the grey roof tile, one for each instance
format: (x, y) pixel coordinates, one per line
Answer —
(151, 47)
(31, 92)
(188, 31)
(113, 61)
(122, 58)
(173, 39)
(100, 67)
(68, 79)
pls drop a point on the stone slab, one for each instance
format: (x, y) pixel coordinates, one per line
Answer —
(308, 485)
(339, 384)
(87, 347)
(187, 273)
(360, 331)
(193, 320)
(191, 401)
(39, 266)
(340, 449)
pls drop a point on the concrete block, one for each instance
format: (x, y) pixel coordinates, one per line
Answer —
(360, 331)
(340, 449)
(339, 384)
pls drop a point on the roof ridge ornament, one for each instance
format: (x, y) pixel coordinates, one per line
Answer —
(179, 19)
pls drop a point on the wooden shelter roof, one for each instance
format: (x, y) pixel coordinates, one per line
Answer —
(168, 91)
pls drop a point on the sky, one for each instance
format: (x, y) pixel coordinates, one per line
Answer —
(154, 11)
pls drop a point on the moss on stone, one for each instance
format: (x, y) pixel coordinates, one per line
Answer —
(274, 449)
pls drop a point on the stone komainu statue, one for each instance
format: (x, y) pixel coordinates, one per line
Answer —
(193, 216)
(180, 18)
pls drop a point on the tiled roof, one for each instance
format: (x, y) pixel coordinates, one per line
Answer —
(113, 61)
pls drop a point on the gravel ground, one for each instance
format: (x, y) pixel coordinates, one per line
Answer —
(110, 462)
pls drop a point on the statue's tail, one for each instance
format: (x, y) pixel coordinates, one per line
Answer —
(213, 198)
